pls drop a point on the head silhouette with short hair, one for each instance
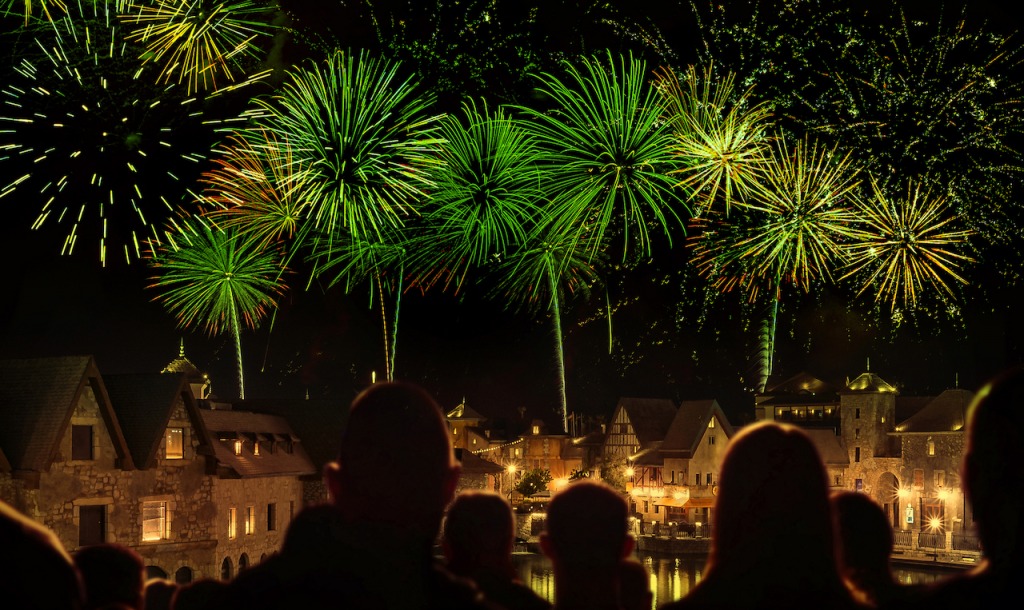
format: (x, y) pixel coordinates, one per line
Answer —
(112, 574)
(864, 544)
(587, 526)
(396, 464)
(479, 532)
(993, 482)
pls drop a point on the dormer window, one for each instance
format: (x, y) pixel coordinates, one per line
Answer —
(256, 448)
(536, 429)
(711, 424)
(238, 447)
(175, 446)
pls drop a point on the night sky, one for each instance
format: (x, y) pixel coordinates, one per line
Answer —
(329, 343)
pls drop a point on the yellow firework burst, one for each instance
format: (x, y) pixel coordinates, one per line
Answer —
(906, 246)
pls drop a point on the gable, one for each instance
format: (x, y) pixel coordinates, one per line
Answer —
(39, 396)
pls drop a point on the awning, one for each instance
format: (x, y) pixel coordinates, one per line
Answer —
(670, 501)
(706, 502)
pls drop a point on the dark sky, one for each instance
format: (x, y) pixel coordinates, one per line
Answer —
(457, 346)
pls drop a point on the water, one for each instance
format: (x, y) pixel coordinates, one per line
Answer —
(673, 577)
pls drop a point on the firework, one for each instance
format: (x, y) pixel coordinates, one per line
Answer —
(255, 188)
(485, 196)
(197, 42)
(606, 153)
(104, 153)
(365, 139)
(49, 8)
(906, 246)
(212, 278)
(721, 141)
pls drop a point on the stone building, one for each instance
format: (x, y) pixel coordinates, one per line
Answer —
(131, 459)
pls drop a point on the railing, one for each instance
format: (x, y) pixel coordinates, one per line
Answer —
(926, 540)
(903, 538)
(966, 542)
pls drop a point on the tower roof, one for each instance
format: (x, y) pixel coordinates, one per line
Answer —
(870, 382)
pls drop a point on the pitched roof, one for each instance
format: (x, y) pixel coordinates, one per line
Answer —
(230, 424)
(650, 417)
(474, 464)
(143, 403)
(802, 383)
(830, 447)
(869, 382)
(318, 422)
(464, 411)
(946, 412)
(689, 424)
(37, 399)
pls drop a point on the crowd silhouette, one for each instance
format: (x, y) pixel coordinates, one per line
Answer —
(780, 540)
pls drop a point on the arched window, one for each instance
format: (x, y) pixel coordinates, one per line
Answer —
(263, 557)
(183, 576)
(243, 562)
(226, 571)
(155, 572)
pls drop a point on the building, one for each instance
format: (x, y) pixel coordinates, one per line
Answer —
(137, 460)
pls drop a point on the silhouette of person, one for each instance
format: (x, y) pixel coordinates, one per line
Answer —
(772, 541)
(864, 543)
(994, 485)
(36, 572)
(371, 546)
(111, 574)
(635, 586)
(202, 594)
(158, 594)
(477, 540)
(586, 538)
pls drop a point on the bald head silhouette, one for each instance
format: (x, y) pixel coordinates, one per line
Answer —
(396, 463)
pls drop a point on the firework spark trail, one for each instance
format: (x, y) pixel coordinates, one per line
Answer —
(199, 41)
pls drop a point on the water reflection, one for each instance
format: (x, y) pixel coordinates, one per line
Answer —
(673, 577)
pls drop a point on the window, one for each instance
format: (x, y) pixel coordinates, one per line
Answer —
(646, 507)
(711, 424)
(81, 442)
(931, 448)
(256, 452)
(536, 429)
(856, 433)
(856, 413)
(837, 480)
(708, 479)
(175, 449)
(919, 478)
(697, 479)
(711, 439)
(92, 524)
(856, 454)
(250, 520)
(238, 447)
(271, 517)
(940, 478)
(232, 523)
(154, 521)
(657, 509)
(858, 484)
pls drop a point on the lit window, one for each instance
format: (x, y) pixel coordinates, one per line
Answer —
(238, 447)
(250, 520)
(232, 523)
(711, 424)
(175, 444)
(536, 429)
(154, 521)
(256, 448)
(931, 447)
